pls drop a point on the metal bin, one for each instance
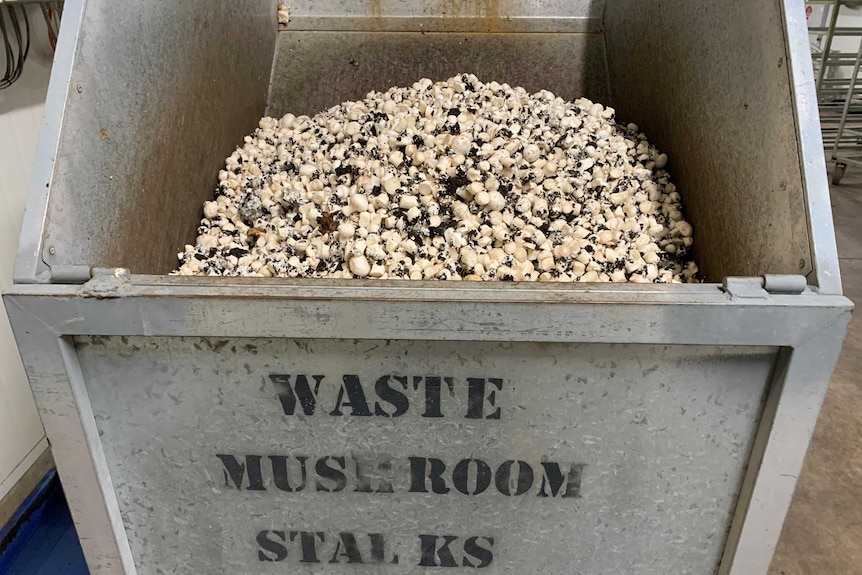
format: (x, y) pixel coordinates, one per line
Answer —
(218, 425)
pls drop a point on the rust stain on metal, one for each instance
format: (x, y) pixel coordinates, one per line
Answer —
(375, 8)
(492, 9)
(492, 15)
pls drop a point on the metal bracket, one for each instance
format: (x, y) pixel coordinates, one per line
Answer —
(745, 288)
(70, 274)
(785, 284)
(762, 287)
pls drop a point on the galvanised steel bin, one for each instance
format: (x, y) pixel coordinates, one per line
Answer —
(215, 425)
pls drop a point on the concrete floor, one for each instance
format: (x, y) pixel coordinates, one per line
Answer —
(823, 532)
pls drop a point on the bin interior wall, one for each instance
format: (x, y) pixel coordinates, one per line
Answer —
(167, 95)
(710, 84)
(161, 92)
(349, 64)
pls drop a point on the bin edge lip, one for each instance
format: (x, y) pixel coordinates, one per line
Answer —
(429, 291)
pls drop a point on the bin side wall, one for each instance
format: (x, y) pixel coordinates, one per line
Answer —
(315, 70)
(710, 85)
(160, 95)
(333, 51)
(661, 436)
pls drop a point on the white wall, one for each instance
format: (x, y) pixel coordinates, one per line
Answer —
(22, 439)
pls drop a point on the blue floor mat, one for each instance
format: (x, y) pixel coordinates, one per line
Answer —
(40, 539)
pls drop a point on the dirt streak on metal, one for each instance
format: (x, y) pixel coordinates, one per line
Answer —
(488, 10)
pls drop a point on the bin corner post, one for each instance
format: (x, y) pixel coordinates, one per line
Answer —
(825, 269)
(799, 383)
(51, 363)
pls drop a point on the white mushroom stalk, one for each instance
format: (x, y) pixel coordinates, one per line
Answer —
(457, 180)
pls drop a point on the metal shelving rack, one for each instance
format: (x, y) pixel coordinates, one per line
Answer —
(839, 97)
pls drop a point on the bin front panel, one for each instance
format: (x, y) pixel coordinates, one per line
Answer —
(367, 456)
